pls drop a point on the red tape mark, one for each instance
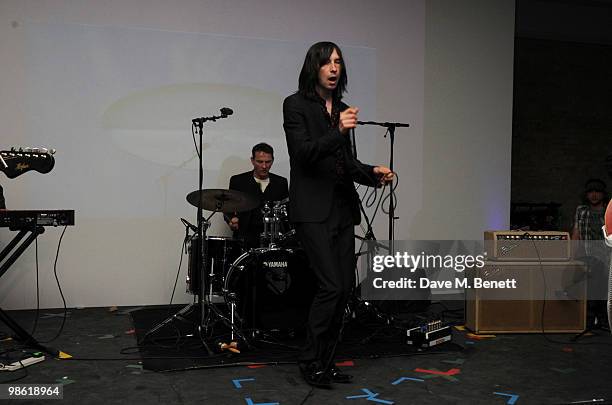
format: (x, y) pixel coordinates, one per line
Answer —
(257, 366)
(347, 363)
(452, 371)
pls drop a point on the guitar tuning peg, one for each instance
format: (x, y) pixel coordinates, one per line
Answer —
(52, 151)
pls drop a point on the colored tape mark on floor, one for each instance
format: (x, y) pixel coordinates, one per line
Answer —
(512, 400)
(370, 396)
(452, 371)
(63, 355)
(347, 363)
(257, 366)
(402, 379)
(446, 377)
(249, 401)
(239, 380)
(479, 337)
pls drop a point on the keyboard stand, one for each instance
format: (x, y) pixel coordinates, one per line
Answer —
(21, 334)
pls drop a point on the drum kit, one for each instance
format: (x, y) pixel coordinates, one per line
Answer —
(251, 291)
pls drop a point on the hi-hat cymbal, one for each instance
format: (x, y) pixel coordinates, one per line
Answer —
(217, 199)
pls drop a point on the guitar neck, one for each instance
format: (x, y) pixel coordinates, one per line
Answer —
(15, 162)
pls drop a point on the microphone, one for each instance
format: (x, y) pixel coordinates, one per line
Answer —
(353, 144)
(395, 124)
(189, 225)
(384, 124)
(225, 111)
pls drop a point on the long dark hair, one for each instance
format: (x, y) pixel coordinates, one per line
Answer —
(317, 56)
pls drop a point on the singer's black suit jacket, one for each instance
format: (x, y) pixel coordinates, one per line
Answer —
(251, 221)
(312, 149)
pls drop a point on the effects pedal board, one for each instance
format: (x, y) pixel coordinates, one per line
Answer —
(429, 335)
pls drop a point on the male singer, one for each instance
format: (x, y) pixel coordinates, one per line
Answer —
(324, 205)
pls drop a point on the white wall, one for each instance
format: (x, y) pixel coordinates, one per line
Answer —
(468, 119)
(444, 68)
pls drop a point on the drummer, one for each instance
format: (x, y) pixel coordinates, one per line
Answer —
(259, 182)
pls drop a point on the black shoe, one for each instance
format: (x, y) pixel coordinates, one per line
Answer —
(316, 376)
(338, 376)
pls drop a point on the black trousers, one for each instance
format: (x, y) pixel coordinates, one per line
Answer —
(330, 248)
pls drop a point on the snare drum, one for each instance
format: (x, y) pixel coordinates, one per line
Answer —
(270, 289)
(221, 253)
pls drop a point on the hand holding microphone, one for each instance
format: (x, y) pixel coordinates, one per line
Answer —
(348, 119)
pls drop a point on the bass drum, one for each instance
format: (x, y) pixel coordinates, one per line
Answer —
(270, 289)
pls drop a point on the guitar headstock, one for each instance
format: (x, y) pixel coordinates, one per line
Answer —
(16, 161)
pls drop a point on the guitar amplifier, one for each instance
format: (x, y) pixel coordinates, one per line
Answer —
(549, 297)
(529, 246)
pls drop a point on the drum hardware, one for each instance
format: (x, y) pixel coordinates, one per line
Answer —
(186, 310)
(215, 251)
(275, 223)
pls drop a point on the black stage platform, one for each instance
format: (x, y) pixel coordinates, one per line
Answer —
(107, 367)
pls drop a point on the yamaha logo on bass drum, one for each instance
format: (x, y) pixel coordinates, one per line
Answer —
(275, 264)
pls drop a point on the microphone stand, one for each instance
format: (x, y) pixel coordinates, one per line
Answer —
(369, 237)
(391, 128)
(202, 224)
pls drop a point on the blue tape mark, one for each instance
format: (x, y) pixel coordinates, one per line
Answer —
(402, 379)
(249, 401)
(371, 396)
(513, 397)
(238, 381)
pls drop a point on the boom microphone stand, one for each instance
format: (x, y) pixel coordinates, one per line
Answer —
(203, 225)
(201, 264)
(369, 237)
(391, 129)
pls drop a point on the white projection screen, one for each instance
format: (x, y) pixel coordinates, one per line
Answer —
(117, 104)
(113, 87)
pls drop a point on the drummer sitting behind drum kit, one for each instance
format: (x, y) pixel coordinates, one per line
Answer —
(249, 225)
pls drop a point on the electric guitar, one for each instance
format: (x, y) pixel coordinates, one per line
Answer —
(15, 162)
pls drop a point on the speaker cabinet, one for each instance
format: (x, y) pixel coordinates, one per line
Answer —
(549, 297)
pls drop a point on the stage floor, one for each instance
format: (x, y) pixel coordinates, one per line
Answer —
(521, 368)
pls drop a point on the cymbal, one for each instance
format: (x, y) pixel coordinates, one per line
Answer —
(217, 199)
